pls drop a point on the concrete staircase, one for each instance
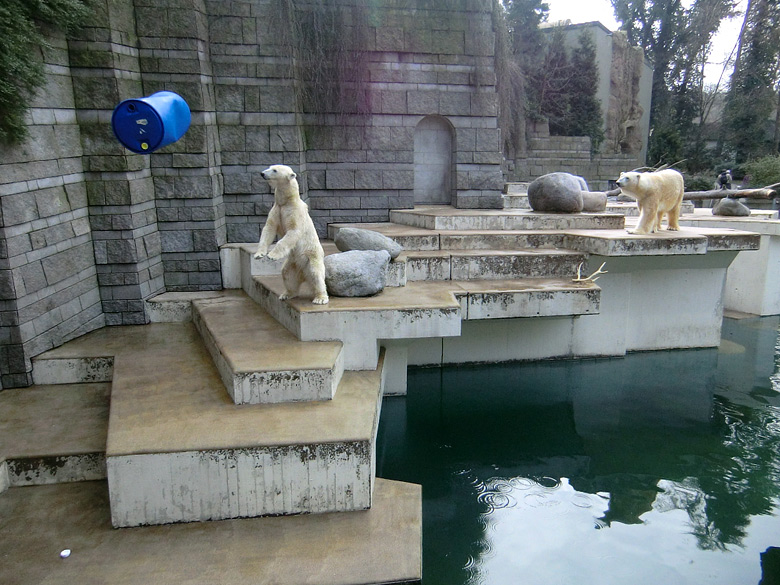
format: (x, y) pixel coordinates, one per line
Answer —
(236, 405)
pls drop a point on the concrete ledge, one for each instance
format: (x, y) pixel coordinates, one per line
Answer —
(443, 217)
(527, 298)
(622, 243)
(179, 450)
(49, 369)
(410, 312)
(175, 307)
(491, 264)
(54, 434)
(381, 545)
(260, 362)
(753, 279)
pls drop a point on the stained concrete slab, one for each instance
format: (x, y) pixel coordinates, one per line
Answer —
(381, 545)
(444, 217)
(258, 359)
(51, 434)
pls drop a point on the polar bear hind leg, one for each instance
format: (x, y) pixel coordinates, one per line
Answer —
(673, 216)
(292, 275)
(314, 273)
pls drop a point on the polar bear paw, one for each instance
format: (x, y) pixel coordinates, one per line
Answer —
(320, 300)
(276, 254)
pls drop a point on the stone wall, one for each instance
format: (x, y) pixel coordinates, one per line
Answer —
(571, 154)
(48, 277)
(91, 230)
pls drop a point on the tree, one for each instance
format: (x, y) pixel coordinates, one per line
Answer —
(677, 40)
(551, 85)
(21, 67)
(752, 94)
(584, 107)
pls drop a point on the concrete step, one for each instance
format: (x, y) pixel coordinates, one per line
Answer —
(418, 310)
(260, 362)
(491, 264)
(516, 188)
(179, 450)
(54, 434)
(630, 209)
(381, 545)
(527, 297)
(444, 217)
(421, 239)
(516, 201)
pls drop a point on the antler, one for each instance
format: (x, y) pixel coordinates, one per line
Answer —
(593, 277)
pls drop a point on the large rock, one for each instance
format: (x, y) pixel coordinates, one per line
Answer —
(730, 208)
(358, 239)
(557, 193)
(356, 273)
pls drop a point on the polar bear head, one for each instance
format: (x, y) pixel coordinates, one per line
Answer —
(629, 181)
(278, 173)
(283, 181)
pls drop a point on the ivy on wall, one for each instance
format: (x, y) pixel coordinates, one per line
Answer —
(21, 68)
(328, 42)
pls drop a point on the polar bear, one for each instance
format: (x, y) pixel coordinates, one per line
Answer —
(299, 244)
(656, 193)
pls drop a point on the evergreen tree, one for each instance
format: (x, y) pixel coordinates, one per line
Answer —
(585, 117)
(551, 85)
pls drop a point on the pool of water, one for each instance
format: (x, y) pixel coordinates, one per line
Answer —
(656, 468)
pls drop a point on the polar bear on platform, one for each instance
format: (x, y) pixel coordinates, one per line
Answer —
(299, 244)
(656, 193)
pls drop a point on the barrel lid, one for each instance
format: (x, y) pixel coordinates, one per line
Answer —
(137, 126)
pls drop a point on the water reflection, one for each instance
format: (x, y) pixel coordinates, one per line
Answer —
(661, 467)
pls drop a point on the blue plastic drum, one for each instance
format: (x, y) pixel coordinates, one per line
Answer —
(145, 124)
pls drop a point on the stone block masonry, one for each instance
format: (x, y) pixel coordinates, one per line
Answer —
(49, 289)
(91, 230)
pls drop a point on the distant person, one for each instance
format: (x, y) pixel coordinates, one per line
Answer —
(724, 179)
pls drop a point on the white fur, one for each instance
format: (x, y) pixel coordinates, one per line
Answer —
(656, 194)
(299, 244)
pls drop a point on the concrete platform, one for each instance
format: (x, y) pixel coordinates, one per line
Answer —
(418, 310)
(452, 264)
(445, 217)
(260, 362)
(54, 434)
(753, 279)
(530, 297)
(381, 545)
(179, 449)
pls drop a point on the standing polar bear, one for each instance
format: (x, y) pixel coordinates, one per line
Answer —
(656, 193)
(299, 243)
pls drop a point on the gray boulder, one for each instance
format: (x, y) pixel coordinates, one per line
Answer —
(557, 193)
(358, 239)
(730, 208)
(356, 273)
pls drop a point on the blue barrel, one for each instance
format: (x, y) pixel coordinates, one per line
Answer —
(145, 124)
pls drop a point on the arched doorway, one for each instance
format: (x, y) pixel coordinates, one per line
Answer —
(433, 161)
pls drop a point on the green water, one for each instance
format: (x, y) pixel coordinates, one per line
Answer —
(656, 468)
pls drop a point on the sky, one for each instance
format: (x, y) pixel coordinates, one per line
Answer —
(586, 11)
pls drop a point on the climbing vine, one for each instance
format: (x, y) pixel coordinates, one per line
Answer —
(21, 68)
(328, 42)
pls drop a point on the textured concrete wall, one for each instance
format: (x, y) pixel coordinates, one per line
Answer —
(48, 278)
